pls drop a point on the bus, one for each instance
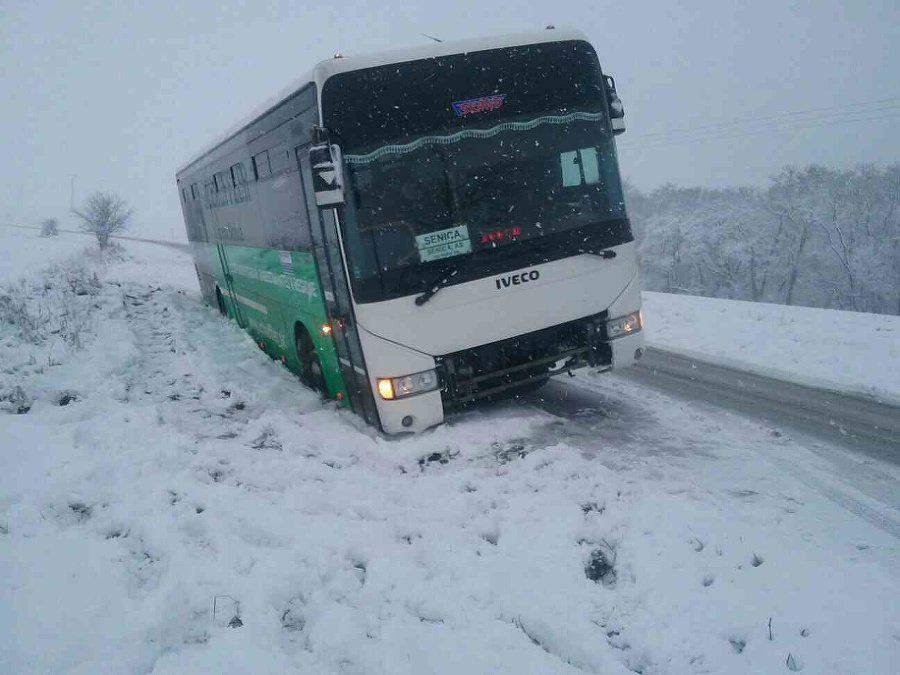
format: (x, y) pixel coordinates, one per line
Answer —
(416, 230)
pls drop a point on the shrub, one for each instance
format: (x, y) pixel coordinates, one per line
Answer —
(49, 227)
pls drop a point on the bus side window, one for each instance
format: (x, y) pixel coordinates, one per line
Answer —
(280, 159)
(237, 174)
(580, 167)
(223, 180)
(261, 165)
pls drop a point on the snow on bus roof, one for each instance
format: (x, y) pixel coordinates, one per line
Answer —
(325, 69)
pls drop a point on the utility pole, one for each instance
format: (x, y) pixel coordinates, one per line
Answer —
(71, 191)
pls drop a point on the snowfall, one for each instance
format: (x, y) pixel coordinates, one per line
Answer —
(173, 501)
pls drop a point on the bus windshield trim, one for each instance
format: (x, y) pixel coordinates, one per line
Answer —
(462, 134)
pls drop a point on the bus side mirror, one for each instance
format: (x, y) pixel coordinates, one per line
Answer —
(616, 109)
(327, 174)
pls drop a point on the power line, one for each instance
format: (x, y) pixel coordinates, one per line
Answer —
(758, 132)
(865, 106)
(778, 129)
(761, 128)
(726, 131)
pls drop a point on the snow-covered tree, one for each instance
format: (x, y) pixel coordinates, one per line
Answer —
(816, 236)
(104, 215)
(790, 201)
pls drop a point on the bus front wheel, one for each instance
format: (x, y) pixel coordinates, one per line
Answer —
(310, 367)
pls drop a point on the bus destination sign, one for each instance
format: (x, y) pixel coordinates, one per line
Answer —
(444, 243)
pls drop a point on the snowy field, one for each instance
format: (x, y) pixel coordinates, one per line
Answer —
(175, 502)
(24, 253)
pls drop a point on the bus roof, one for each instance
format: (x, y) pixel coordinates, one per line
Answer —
(325, 69)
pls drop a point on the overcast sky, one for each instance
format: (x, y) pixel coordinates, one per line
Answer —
(119, 94)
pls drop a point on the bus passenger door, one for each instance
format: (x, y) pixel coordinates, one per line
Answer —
(229, 285)
(333, 281)
(201, 247)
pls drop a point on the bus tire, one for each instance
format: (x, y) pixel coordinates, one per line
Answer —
(310, 367)
(220, 301)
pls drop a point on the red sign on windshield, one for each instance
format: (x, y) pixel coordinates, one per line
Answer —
(480, 104)
(502, 234)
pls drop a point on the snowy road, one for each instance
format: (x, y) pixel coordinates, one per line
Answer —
(859, 423)
(597, 526)
(601, 410)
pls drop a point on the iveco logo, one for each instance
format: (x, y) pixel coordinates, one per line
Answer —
(517, 279)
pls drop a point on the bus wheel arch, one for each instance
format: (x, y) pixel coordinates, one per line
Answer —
(311, 373)
(220, 302)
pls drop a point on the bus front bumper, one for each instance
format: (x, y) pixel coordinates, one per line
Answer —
(422, 411)
(412, 414)
(627, 350)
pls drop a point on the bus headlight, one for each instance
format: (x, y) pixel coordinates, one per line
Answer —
(399, 387)
(624, 325)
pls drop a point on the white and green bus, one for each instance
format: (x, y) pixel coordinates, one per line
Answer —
(415, 230)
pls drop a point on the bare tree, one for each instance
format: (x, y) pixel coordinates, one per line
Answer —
(103, 215)
(790, 200)
(49, 227)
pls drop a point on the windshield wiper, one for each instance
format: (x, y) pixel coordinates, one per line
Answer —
(445, 279)
(606, 254)
(451, 272)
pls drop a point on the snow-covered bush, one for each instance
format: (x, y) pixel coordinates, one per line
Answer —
(77, 278)
(43, 321)
(17, 314)
(112, 252)
(50, 227)
(51, 305)
(14, 400)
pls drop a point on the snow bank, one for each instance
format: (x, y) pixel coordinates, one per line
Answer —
(846, 351)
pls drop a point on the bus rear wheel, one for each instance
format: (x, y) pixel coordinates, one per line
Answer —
(310, 367)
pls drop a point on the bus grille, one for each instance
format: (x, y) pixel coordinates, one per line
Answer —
(499, 367)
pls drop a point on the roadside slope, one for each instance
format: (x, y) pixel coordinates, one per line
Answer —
(851, 352)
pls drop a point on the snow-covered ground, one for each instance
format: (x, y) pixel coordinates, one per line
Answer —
(847, 351)
(23, 252)
(166, 467)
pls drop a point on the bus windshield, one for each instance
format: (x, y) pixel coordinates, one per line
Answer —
(435, 184)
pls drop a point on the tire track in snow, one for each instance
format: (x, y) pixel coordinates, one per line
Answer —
(877, 482)
(882, 521)
(162, 339)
